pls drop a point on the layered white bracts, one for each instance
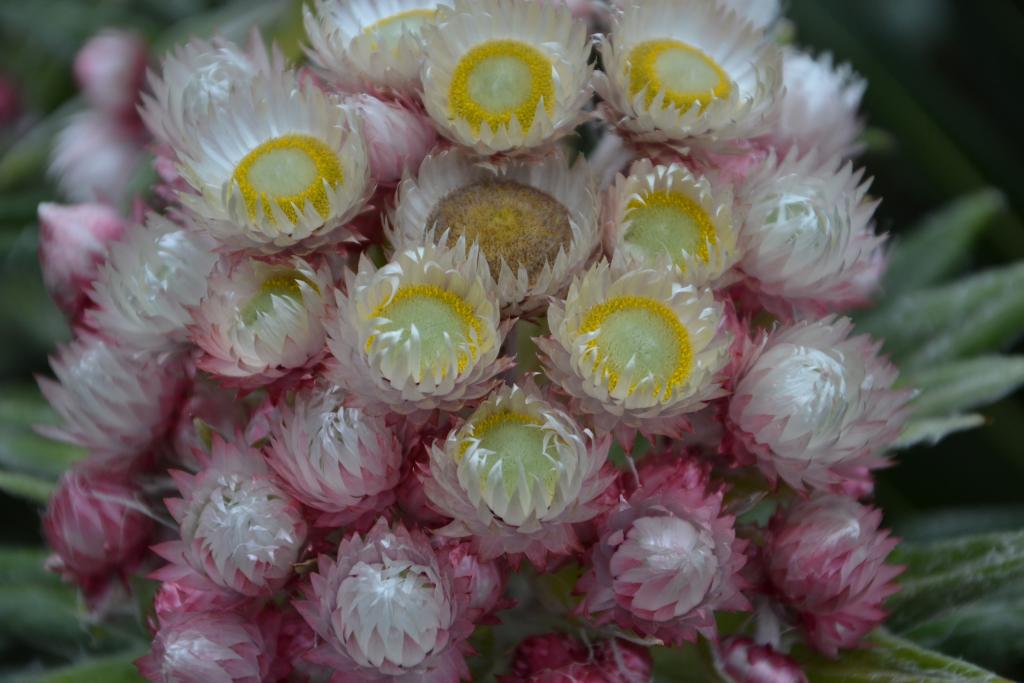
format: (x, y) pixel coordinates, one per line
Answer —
(423, 332)
(636, 349)
(369, 45)
(503, 76)
(337, 460)
(115, 402)
(240, 531)
(819, 109)
(388, 607)
(667, 557)
(150, 282)
(815, 406)
(534, 221)
(262, 320)
(517, 475)
(687, 72)
(667, 216)
(282, 166)
(809, 244)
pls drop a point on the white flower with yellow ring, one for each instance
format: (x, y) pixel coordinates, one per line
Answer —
(501, 76)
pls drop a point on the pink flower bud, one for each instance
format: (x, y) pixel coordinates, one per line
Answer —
(95, 524)
(486, 580)
(95, 158)
(73, 244)
(744, 661)
(623, 661)
(211, 646)
(397, 138)
(110, 69)
(548, 651)
(668, 557)
(560, 658)
(191, 593)
(826, 559)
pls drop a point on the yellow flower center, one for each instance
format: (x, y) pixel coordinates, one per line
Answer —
(642, 336)
(281, 284)
(685, 74)
(387, 32)
(667, 222)
(510, 221)
(514, 439)
(290, 171)
(438, 319)
(501, 79)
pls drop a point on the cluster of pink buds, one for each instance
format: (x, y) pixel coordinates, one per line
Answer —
(383, 340)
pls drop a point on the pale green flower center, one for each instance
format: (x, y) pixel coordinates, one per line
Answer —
(684, 73)
(389, 31)
(282, 284)
(670, 223)
(514, 441)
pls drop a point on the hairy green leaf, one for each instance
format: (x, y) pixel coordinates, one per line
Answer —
(119, 668)
(26, 486)
(963, 385)
(932, 430)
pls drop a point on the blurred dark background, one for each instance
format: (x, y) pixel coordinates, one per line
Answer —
(944, 110)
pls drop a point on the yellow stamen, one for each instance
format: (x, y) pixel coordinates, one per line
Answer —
(290, 171)
(442, 319)
(645, 332)
(670, 222)
(499, 80)
(685, 74)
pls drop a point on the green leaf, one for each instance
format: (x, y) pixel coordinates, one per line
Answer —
(24, 565)
(119, 668)
(981, 313)
(946, 523)
(685, 664)
(931, 430)
(943, 575)
(43, 617)
(963, 385)
(891, 659)
(25, 486)
(936, 247)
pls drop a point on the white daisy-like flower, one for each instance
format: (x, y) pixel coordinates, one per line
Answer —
(262, 320)
(819, 109)
(808, 239)
(517, 475)
(637, 349)
(761, 14)
(335, 459)
(195, 83)
(422, 332)
(150, 281)
(282, 166)
(369, 44)
(113, 401)
(675, 70)
(534, 221)
(501, 76)
(668, 215)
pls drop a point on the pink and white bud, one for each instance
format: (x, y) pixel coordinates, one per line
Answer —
(115, 402)
(211, 647)
(111, 69)
(73, 244)
(95, 158)
(826, 559)
(486, 579)
(668, 557)
(207, 407)
(96, 525)
(397, 138)
(239, 529)
(517, 475)
(338, 460)
(740, 660)
(151, 280)
(819, 107)
(815, 406)
(388, 607)
(808, 238)
(262, 320)
(192, 593)
(623, 662)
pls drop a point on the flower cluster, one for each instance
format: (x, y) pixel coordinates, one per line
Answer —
(383, 338)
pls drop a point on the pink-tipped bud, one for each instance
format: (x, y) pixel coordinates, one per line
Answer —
(742, 660)
(210, 646)
(397, 138)
(73, 244)
(95, 158)
(826, 559)
(485, 578)
(95, 525)
(110, 69)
